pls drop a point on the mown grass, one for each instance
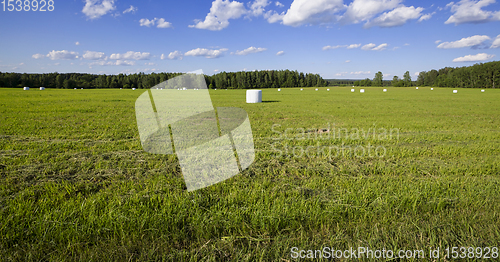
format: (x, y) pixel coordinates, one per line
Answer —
(76, 185)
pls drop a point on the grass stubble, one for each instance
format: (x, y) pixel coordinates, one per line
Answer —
(76, 185)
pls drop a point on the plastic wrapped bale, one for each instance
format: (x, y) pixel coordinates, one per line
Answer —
(352, 90)
(26, 88)
(455, 91)
(42, 88)
(361, 90)
(254, 96)
(385, 90)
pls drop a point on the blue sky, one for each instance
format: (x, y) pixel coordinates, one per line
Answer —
(334, 38)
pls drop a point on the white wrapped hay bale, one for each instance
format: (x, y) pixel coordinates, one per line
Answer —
(482, 90)
(385, 90)
(301, 89)
(133, 88)
(455, 91)
(254, 96)
(279, 89)
(328, 90)
(361, 90)
(316, 89)
(416, 88)
(432, 88)
(26, 88)
(352, 90)
(42, 88)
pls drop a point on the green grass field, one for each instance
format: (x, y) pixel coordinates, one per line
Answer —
(75, 184)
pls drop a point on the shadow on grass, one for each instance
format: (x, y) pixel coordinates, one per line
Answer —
(271, 101)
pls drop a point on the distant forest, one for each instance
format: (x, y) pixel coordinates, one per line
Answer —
(483, 75)
(223, 80)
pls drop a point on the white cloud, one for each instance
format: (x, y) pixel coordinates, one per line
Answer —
(64, 54)
(208, 53)
(496, 42)
(273, 16)
(38, 56)
(94, 9)
(176, 55)
(312, 12)
(474, 58)
(426, 17)
(341, 74)
(363, 10)
(329, 47)
(369, 46)
(347, 61)
(257, 7)
(77, 43)
(220, 13)
(465, 42)
(250, 50)
(132, 9)
(278, 4)
(437, 41)
(470, 11)
(374, 47)
(147, 22)
(130, 55)
(396, 17)
(361, 73)
(112, 63)
(163, 24)
(280, 53)
(353, 46)
(91, 55)
(380, 47)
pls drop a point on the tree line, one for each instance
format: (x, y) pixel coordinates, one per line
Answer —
(223, 80)
(482, 75)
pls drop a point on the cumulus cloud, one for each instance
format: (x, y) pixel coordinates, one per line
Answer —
(273, 16)
(363, 10)
(91, 55)
(77, 43)
(130, 55)
(62, 55)
(220, 13)
(329, 47)
(474, 58)
(280, 53)
(353, 46)
(250, 50)
(257, 7)
(112, 63)
(312, 12)
(132, 9)
(465, 42)
(396, 17)
(208, 53)
(94, 9)
(380, 47)
(361, 73)
(470, 11)
(176, 55)
(278, 4)
(496, 42)
(159, 22)
(147, 22)
(163, 24)
(426, 17)
(38, 56)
